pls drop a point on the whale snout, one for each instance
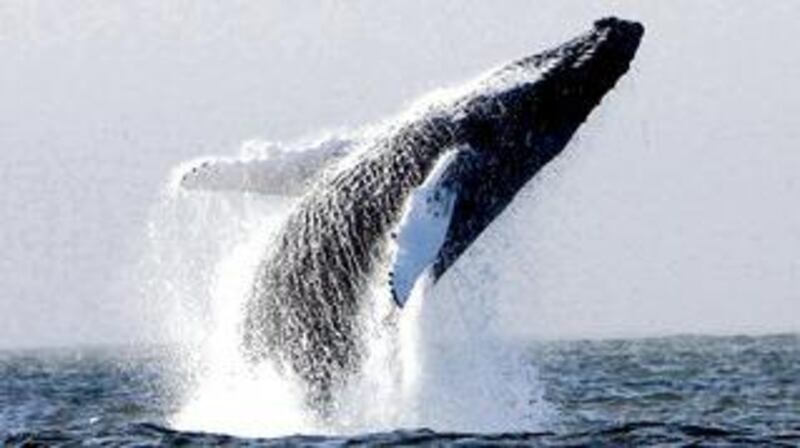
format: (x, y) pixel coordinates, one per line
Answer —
(624, 35)
(628, 27)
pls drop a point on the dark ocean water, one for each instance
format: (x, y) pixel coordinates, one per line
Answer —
(706, 391)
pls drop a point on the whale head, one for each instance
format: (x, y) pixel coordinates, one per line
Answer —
(523, 115)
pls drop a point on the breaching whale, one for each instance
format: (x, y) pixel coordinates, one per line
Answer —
(406, 201)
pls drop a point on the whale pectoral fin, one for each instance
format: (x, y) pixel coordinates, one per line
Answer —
(422, 229)
(276, 170)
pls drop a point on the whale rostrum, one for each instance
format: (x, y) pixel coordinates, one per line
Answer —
(406, 200)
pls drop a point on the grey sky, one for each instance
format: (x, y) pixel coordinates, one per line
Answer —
(676, 211)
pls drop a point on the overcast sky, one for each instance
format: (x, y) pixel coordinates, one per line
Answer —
(675, 210)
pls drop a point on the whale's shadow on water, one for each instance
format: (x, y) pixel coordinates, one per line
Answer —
(399, 206)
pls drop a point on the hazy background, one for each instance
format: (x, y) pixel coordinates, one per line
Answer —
(674, 211)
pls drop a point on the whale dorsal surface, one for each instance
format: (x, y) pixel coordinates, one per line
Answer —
(408, 200)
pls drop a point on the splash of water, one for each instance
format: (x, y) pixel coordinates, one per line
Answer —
(441, 363)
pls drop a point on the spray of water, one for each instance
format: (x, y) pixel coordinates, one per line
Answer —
(441, 362)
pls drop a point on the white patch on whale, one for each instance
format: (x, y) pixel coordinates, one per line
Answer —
(422, 229)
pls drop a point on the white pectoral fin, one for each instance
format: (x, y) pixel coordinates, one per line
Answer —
(422, 230)
(273, 169)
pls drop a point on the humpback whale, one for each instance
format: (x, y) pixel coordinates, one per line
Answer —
(405, 201)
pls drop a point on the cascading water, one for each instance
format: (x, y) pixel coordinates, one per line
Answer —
(441, 362)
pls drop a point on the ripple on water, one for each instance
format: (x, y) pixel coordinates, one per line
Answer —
(684, 390)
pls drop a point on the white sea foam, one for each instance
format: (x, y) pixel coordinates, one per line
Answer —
(439, 363)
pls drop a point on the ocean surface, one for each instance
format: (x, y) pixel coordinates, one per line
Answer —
(669, 391)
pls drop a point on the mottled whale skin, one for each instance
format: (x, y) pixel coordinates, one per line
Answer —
(304, 306)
